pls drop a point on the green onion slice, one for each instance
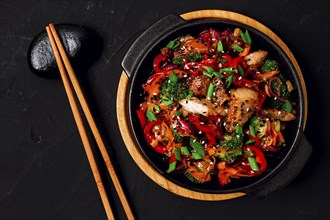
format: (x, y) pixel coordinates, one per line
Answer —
(252, 131)
(191, 94)
(229, 80)
(218, 75)
(210, 90)
(171, 167)
(173, 78)
(177, 154)
(243, 37)
(185, 150)
(172, 44)
(238, 129)
(167, 102)
(177, 113)
(151, 116)
(228, 70)
(240, 70)
(196, 156)
(210, 75)
(157, 108)
(208, 69)
(253, 164)
(197, 146)
(219, 46)
(237, 48)
(248, 38)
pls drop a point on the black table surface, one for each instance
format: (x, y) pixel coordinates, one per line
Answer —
(44, 172)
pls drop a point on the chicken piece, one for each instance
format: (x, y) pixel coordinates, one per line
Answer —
(220, 94)
(201, 107)
(242, 104)
(199, 85)
(256, 58)
(278, 115)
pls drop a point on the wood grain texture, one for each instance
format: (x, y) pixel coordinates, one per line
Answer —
(122, 108)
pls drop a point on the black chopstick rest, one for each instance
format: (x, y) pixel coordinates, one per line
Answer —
(82, 45)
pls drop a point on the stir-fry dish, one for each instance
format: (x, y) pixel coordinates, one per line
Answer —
(214, 107)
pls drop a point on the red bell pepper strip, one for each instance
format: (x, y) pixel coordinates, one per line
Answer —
(255, 139)
(184, 126)
(242, 82)
(154, 77)
(142, 117)
(210, 61)
(262, 97)
(150, 137)
(259, 156)
(236, 61)
(228, 60)
(195, 68)
(157, 62)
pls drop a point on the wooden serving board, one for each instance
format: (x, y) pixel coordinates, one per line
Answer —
(124, 123)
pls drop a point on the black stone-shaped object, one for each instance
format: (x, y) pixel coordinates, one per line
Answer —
(82, 45)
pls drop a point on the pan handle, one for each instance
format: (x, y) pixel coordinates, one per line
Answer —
(288, 172)
(147, 39)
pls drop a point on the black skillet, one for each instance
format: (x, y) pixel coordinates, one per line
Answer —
(282, 167)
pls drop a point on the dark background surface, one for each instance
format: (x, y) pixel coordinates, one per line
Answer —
(44, 172)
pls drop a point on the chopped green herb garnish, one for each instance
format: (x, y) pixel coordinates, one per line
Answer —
(210, 90)
(237, 48)
(151, 116)
(173, 44)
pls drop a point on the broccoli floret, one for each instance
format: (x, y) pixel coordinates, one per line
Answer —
(274, 103)
(195, 57)
(173, 91)
(284, 91)
(229, 155)
(259, 126)
(178, 60)
(192, 57)
(232, 142)
(269, 65)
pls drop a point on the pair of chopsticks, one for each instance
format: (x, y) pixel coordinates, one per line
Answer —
(65, 71)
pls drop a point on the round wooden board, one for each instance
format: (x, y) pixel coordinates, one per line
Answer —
(124, 123)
